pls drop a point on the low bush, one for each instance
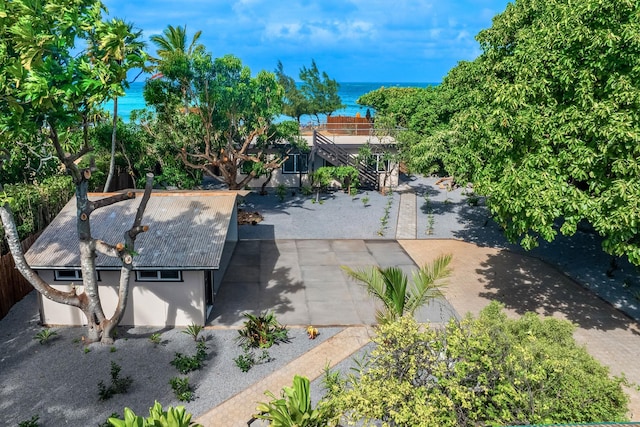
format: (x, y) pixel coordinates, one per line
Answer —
(262, 331)
(185, 364)
(118, 384)
(479, 371)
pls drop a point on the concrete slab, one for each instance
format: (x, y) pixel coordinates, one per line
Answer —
(307, 286)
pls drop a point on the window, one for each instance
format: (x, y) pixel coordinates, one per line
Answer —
(296, 163)
(159, 276)
(68, 275)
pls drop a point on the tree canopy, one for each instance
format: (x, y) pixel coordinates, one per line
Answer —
(545, 122)
(216, 117)
(317, 93)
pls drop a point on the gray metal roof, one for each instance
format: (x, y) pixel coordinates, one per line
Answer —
(187, 230)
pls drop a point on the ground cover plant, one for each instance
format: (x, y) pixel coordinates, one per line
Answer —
(488, 370)
(117, 385)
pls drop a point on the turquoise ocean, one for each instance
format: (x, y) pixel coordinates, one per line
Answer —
(349, 93)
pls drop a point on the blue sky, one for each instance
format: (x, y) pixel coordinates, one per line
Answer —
(352, 40)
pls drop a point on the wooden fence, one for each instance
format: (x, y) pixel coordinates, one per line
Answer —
(346, 125)
(13, 287)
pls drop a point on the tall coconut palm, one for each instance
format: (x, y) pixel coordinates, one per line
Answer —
(392, 288)
(174, 40)
(172, 51)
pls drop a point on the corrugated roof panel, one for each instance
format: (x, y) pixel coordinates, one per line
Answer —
(186, 231)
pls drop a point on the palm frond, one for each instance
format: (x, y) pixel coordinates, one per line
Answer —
(395, 282)
(428, 282)
(373, 280)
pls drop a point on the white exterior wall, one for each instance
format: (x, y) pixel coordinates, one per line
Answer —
(149, 304)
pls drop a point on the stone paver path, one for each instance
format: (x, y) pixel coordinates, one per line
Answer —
(407, 217)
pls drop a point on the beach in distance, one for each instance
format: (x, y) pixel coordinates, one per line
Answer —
(349, 92)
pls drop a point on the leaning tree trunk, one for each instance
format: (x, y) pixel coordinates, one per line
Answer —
(114, 131)
(99, 327)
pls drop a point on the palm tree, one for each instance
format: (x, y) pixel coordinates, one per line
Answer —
(120, 48)
(172, 49)
(391, 287)
(174, 40)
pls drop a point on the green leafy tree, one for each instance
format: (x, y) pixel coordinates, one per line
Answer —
(552, 135)
(230, 119)
(391, 287)
(174, 56)
(320, 90)
(488, 370)
(418, 120)
(51, 87)
(295, 104)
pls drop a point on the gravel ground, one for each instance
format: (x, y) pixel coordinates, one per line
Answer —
(58, 381)
(336, 216)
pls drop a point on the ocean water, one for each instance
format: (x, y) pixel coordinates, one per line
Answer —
(349, 92)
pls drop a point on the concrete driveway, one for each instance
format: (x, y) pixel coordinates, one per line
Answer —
(302, 282)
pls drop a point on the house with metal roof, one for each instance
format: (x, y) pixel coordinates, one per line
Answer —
(178, 263)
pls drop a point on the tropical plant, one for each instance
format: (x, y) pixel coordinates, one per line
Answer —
(45, 335)
(118, 384)
(193, 331)
(262, 331)
(488, 370)
(391, 287)
(292, 408)
(171, 417)
(121, 49)
(182, 389)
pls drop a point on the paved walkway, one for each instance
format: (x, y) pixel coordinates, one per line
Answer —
(407, 216)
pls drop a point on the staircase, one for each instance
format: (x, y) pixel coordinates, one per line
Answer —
(328, 150)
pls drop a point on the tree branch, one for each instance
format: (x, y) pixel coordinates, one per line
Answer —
(11, 233)
(97, 204)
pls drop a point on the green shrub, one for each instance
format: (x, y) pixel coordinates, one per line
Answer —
(118, 385)
(262, 331)
(185, 364)
(293, 408)
(35, 205)
(484, 371)
(172, 417)
(31, 422)
(45, 335)
(182, 389)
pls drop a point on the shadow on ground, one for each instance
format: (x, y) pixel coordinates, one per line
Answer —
(524, 284)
